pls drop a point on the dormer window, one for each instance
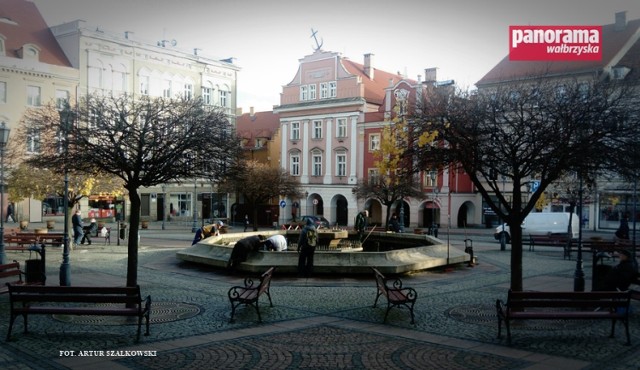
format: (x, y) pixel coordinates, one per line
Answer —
(2, 47)
(29, 51)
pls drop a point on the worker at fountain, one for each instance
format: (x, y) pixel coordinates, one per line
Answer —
(277, 243)
(361, 224)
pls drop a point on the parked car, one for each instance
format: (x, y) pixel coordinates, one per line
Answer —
(319, 221)
(543, 223)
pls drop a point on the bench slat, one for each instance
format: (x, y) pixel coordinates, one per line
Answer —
(249, 294)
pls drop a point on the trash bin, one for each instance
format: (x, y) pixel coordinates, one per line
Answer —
(123, 231)
(600, 271)
(34, 271)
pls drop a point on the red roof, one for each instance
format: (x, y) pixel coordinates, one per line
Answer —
(612, 43)
(21, 23)
(258, 125)
(374, 90)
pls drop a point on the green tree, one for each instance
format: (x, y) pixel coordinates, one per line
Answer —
(143, 141)
(539, 130)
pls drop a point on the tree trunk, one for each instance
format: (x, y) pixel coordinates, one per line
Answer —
(132, 245)
(516, 257)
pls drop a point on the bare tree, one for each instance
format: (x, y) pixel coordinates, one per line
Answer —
(535, 131)
(258, 183)
(143, 141)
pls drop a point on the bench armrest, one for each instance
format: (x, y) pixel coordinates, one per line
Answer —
(409, 293)
(501, 308)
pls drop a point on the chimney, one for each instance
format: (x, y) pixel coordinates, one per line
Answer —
(251, 112)
(621, 21)
(368, 68)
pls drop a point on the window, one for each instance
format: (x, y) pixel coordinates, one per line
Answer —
(341, 127)
(33, 142)
(317, 129)
(224, 98)
(312, 92)
(304, 92)
(324, 90)
(206, 95)
(33, 96)
(144, 85)
(188, 91)
(166, 89)
(430, 179)
(3, 92)
(294, 164)
(373, 176)
(316, 157)
(62, 98)
(332, 89)
(341, 164)
(374, 142)
(295, 131)
(119, 80)
(184, 204)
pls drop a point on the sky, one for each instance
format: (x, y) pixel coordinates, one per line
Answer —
(464, 39)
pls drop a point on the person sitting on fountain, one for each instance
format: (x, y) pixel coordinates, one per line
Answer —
(361, 223)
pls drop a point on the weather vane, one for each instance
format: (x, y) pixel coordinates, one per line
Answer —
(318, 44)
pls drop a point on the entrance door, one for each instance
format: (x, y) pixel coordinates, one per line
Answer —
(160, 207)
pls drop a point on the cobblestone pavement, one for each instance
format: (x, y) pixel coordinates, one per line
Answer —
(324, 322)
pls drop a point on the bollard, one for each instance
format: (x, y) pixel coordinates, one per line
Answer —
(468, 248)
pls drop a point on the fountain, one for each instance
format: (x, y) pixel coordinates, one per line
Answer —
(338, 252)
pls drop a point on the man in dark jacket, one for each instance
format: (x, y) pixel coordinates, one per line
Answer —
(621, 275)
(306, 248)
(242, 248)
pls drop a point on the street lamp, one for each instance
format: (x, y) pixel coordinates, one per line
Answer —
(66, 119)
(194, 227)
(434, 225)
(578, 277)
(4, 138)
(164, 205)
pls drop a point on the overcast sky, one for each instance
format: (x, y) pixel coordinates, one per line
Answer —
(464, 39)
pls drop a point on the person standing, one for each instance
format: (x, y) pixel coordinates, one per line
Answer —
(361, 224)
(76, 222)
(394, 225)
(620, 276)
(10, 213)
(306, 248)
(246, 222)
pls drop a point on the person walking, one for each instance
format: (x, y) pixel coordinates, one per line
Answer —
(246, 222)
(306, 248)
(10, 213)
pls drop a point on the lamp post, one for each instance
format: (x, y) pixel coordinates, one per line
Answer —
(164, 205)
(194, 227)
(434, 225)
(66, 118)
(4, 137)
(578, 277)
(503, 236)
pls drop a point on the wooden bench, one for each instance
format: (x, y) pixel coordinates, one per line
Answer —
(249, 294)
(611, 305)
(11, 272)
(20, 241)
(558, 240)
(395, 294)
(28, 300)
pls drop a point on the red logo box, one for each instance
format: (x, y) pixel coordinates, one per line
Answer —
(568, 43)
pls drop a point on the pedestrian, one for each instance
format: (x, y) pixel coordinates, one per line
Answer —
(394, 225)
(246, 222)
(623, 230)
(276, 243)
(88, 230)
(10, 212)
(306, 248)
(361, 224)
(241, 250)
(78, 231)
(620, 276)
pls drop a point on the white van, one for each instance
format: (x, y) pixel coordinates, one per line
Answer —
(544, 223)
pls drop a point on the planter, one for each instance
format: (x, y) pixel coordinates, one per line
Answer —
(144, 224)
(24, 225)
(41, 231)
(51, 224)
